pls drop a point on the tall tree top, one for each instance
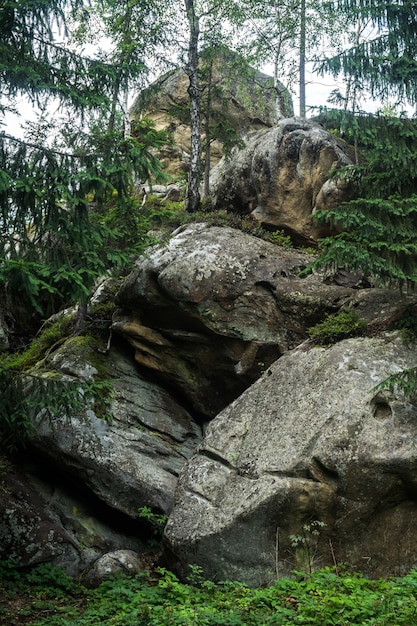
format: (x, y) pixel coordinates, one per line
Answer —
(387, 61)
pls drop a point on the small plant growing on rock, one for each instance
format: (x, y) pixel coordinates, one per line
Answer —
(157, 522)
(280, 238)
(334, 328)
(305, 545)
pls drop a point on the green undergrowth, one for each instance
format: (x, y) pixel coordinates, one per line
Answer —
(44, 596)
(49, 337)
(167, 214)
(342, 325)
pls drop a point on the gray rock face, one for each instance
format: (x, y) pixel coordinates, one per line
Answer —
(248, 103)
(212, 308)
(134, 459)
(282, 175)
(45, 519)
(206, 313)
(113, 563)
(311, 440)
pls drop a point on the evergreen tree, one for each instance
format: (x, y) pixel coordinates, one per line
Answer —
(379, 226)
(67, 206)
(386, 62)
(53, 244)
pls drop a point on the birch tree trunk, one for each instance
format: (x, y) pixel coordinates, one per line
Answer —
(192, 200)
(207, 140)
(302, 77)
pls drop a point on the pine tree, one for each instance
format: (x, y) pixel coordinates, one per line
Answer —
(378, 227)
(53, 244)
(386, 62)
(67, 205)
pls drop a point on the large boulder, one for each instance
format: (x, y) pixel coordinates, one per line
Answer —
(130, 455)
(213, 307)
(47, 517)
(282, 175)
(246, 100)
(311, 446)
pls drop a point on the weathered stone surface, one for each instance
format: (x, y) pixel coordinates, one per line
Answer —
(44, 518)
(311, 440)
(282, 175)
(119, 562)
(210, 309)
(132, 459)
(250, 106)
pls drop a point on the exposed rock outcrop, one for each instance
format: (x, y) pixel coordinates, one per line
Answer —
(311, 440)
(204, 315)
(114, 563)
(132, 458)
(282, 175)
(46, 516)
(247, 102)
(210, 309)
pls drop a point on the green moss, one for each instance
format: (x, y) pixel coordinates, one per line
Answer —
(89, 349)
(51, 335)
(164, 213)
(336, 327)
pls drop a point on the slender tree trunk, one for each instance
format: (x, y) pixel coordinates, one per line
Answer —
(279, 98)
(192, 200)
(126, 120)
(115, 100)
(206, 186)
(302, 58)
(352, 87)
(118, 87)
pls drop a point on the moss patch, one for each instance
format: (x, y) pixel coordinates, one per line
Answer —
(334, 328)
(51, 335)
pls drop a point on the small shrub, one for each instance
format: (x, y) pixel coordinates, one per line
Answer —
(336, 327)
(305, 545)
(280, 238)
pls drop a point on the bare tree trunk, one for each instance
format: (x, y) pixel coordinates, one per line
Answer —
(279, 99)
(206, 186)
(302, 77)
(192, 200)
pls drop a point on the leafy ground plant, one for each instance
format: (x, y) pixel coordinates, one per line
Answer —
(44, 596)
